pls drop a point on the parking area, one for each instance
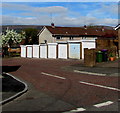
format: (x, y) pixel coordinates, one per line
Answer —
(61, 87)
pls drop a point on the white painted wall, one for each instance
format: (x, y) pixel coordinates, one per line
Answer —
(62, 51)
(87, 44)
(46, 35)
(43, 51)
(52, 50)
(36, 51)
(29, 51)
(23, 51)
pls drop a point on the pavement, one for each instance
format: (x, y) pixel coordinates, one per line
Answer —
(11, 88)
(106, 68)
(47, 92)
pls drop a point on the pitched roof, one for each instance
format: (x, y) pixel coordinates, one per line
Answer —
(77, 31)
(81, 31)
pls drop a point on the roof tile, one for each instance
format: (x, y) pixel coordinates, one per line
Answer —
(81, 31)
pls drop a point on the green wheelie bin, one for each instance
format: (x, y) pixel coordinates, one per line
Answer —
(99, 56)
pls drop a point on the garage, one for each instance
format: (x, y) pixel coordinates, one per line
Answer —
(87, 44)
(74, 50)
(23, 51)
(36, 51)
(43, 51)
(52, 50)
(62, 50)
(29, 51)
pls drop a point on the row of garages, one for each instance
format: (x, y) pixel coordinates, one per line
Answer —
(73, 50)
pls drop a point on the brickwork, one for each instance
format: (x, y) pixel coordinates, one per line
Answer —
(89, 57)
(119, 42)
(104, 43)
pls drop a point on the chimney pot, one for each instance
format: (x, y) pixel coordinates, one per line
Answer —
(52, 25)
(85, 26)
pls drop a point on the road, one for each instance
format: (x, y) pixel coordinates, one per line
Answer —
(53, 88)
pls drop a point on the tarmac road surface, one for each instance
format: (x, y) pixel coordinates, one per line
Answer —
(51, 88)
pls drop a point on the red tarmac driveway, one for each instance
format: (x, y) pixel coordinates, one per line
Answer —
(45, 75)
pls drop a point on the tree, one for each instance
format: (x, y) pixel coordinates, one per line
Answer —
(91, 25)
(31, 36)
(11, 37)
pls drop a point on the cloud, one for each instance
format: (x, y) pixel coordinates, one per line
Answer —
(21, 7)
(109, 8)
(65, 21)
(53, 9)
(12, 6)
(83, 20)
(10, 20)
(29, 15)
(105, 11)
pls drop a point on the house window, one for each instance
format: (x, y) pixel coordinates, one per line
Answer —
(58, 37)
(71, 38)
(84, 38)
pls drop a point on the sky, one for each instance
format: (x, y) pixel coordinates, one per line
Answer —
(65, 13)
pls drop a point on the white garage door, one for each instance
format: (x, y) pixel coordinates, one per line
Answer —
(23, 51)
(36, 51)
(87, 44)
(43, 51)
(29, 51)
(74, 50)
(52, 50)
(62, 51)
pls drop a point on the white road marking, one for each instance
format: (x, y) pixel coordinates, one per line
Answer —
(75, 111)
(53, 75)
(103, 104)
(101, 86)
(90, 73)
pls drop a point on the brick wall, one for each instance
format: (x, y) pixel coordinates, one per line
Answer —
(104, 43)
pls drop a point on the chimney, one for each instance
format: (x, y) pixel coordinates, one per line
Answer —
(85, 26)
(52, 25)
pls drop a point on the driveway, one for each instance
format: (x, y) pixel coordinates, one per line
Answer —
(53, 87)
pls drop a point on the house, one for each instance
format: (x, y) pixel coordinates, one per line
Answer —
(55, 34)
(118, 29)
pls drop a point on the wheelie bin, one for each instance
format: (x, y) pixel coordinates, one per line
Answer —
(99, 56)
(104, 55)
